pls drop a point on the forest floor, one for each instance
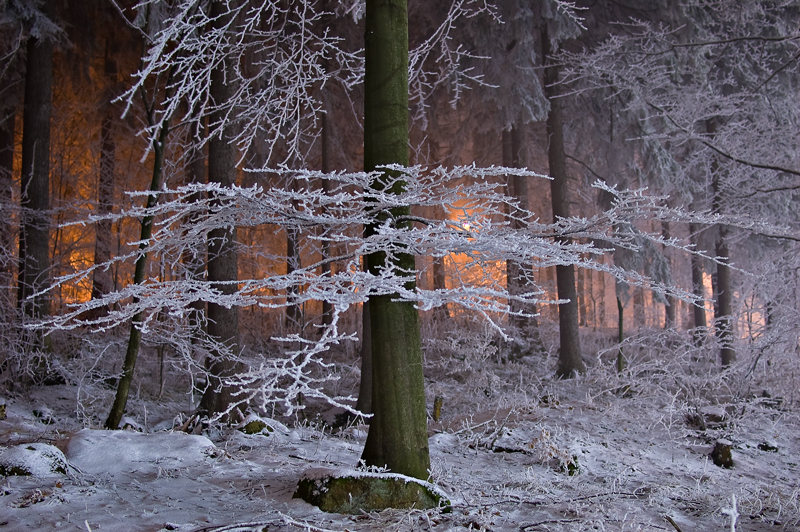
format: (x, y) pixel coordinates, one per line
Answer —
(514, 452)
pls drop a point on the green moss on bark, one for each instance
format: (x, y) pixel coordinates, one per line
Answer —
(356, 494)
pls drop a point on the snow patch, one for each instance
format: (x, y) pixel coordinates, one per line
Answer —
(35, 459)
(101, 451)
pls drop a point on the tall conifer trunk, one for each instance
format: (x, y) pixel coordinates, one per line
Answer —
(398, 431)
(223, 323)
(517, 188)
(195, 263)
(723, 318)
(569, 355)
(671, 303)
(102, 283)
(700, 324)
(6, 197)
(34, 239)
(327, 268)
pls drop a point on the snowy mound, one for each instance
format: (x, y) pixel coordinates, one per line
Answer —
(34, 459)
(102, 451)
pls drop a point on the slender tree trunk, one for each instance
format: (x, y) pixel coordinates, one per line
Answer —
(101, 277)
(398, 432)
(723, 319)
(569, 355)
(195, 263)
(700, 324)
(102, 283)
(620, 335)
(516, 280)
(582, 318)
(517, 188)
(364, 403)
(135, 336)
(327, 267)
(440, 314)
(294, 313)
(34, 239)
(671, 303)
(6, 197)
(223, 322)
(639, 309)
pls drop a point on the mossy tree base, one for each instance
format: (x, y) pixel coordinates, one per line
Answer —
(343, 493)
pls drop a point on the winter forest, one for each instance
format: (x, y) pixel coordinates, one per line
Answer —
(339, 265)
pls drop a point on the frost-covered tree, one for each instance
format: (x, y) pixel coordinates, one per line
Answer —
(34, 239)
(569, 355)
(709, 88)
(390, 200)
(223, 321)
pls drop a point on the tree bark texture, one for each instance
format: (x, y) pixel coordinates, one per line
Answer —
(569, 355)
(671, 303)
(723, 319)
(398, 435)
(34, 239)
(294, 312)
(620, 335)
(102, 281)
(6, 197)
(223, 323)
(364, 403)
(135, 336)
(517, 188)
(195, 263)
(700, 323)
(327, 268)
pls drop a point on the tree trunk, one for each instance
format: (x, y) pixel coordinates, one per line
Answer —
(294, 314)
(135, 336)
(582, 318)
(700, 324)
(364, 403)
(671, 303)
(440, 314)
(102, 283)
(516, 188)
(195, 263)
(723, 319)
(6, 197)
(327, 267)
(223, 323)
(398, 435)
(639, 309)
(34, 238)
(569, 355)
(620, 335)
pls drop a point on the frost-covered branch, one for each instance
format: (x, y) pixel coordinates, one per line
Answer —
(476, 235)
(279, 53)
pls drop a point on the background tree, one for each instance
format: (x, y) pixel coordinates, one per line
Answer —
(34, 239)
(223, 321)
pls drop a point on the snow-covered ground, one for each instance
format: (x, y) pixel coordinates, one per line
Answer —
(515, 451)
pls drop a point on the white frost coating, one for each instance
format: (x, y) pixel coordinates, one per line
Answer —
(100, 451)
(322, 473)
(477, 229)
(38, 459)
